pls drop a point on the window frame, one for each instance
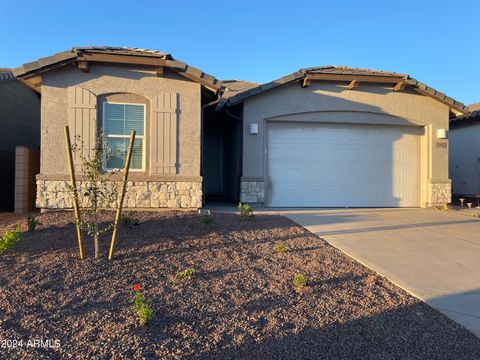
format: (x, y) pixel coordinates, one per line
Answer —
(142, 137)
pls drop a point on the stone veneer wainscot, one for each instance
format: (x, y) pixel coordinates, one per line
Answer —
(56, 194)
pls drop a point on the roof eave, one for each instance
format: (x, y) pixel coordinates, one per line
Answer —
(44, 64)
(456, 106)
(238, 98)
(466, 119)
(426, 90)
(36, 68)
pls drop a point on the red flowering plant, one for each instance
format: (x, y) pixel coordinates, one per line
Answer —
(144, 312)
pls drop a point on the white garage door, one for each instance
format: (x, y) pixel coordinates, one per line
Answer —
(338, 165)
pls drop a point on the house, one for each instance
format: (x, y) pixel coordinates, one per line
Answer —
(327, 136)
(118, 89)
(464, 157)
(20, 124)
(335, 136)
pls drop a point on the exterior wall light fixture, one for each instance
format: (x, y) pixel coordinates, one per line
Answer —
(441, 133)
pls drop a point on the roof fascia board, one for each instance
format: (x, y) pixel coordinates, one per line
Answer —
(359, 78)
(123, 59)
(261, 88)
(400, 81)
(43, 65)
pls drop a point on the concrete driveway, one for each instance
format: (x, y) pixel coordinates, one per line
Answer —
(434, 255)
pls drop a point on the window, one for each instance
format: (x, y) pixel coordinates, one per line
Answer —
(118, 121)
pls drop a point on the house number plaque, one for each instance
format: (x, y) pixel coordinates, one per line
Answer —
(442, 144)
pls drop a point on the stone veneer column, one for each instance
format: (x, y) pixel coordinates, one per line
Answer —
(252, 191)
(439, 193)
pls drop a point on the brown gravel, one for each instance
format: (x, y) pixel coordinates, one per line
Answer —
(240, 303)
(7, 218)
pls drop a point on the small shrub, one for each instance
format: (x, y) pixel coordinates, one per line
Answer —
(246, 211)
(10, 239)
(144, 312)
(207, 220)
(127, 220)
(300, 281)
(444, 207)
(280, 248)
(32, 223)
(186, 274)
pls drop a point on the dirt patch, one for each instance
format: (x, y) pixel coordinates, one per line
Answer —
(239, 304)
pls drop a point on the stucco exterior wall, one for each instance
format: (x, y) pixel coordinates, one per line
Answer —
(333, 102)
(122, 83)
(107, 79)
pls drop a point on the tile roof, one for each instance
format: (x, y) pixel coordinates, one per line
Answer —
(346, 70)
(471, 117)
(6, 74)
(474, 106)
(123, 51)
(69, 57)
(55, 59)
(232, 88)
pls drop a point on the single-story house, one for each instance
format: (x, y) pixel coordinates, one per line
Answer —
(118, 89)
(20, 124)
(464, 157)
(327, 136)
(337, 136)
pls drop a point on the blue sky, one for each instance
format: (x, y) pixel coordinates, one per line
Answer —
(436, 42)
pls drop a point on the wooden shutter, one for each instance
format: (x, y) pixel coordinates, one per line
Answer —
(163, 134)
(82, 117)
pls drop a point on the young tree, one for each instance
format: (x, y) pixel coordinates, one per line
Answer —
(99, 189)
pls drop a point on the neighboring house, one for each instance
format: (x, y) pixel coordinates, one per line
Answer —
(20, 126)
(464, 156)
(338, 137)
(119, 89)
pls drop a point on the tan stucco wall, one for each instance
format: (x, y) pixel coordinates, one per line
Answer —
(332, 102)
(106, 79)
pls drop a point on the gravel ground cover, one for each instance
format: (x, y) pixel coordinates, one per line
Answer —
(7, 218)
(240, 304)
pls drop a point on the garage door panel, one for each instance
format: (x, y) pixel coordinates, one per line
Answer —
(342, 165)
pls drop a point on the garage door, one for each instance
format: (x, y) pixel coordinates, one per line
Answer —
(340, 165)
